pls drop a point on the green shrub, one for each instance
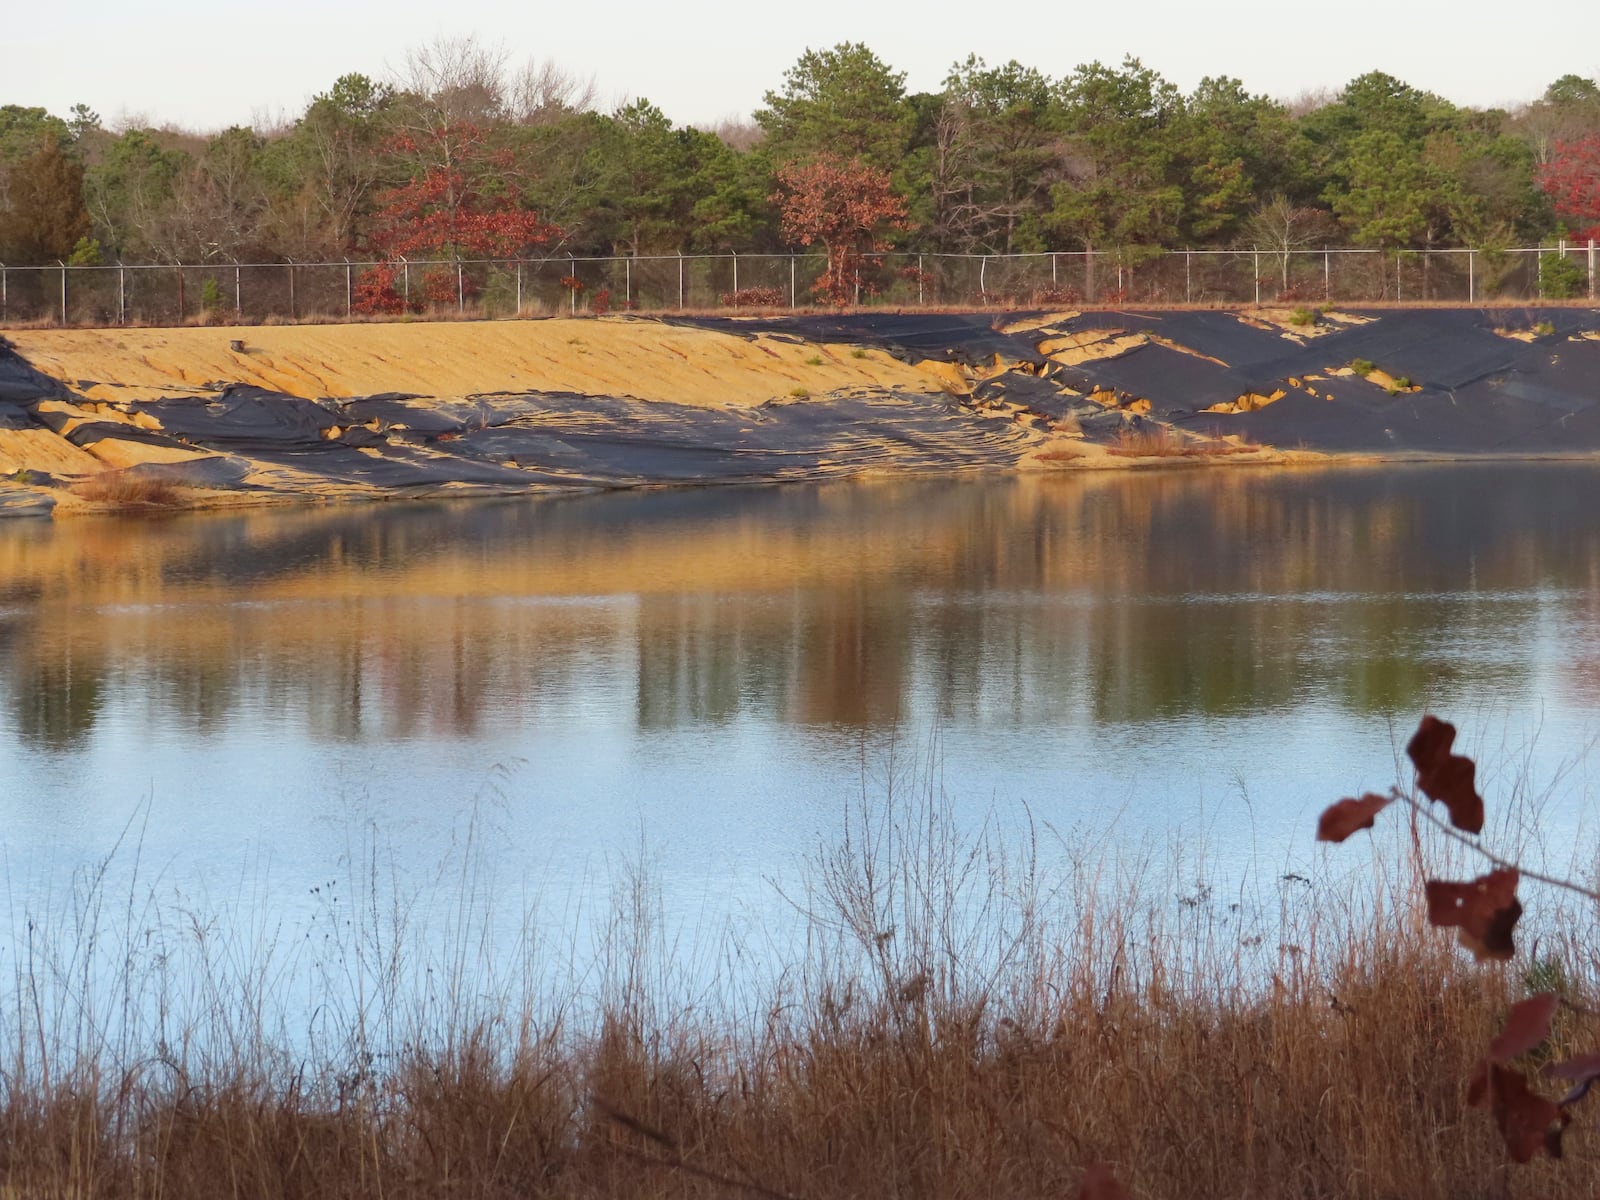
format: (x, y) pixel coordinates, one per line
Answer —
(1362, 367)
(1561, 278)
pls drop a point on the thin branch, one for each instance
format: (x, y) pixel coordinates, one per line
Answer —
(1474, 844)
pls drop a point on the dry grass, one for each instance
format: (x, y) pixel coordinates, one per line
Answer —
(963, 1022)
(129, 491)
(1162, 442)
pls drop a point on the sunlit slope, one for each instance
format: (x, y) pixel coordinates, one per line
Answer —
(622, 356)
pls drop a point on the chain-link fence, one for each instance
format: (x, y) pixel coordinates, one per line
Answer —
(175, 294)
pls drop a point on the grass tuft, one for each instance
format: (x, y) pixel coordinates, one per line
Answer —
(129, 491)
(1161, 442)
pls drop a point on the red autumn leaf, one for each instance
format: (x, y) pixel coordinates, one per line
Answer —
(1099, 1183)
(1527, 1121)
(1485, 911)
(1527, 1024)
(1583, 1071)
(1571, 178)
(1446, 777)
(1340, 820)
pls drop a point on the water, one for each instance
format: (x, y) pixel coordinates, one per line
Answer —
(257, 707)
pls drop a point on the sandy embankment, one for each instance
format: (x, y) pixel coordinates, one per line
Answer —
(274, 414)
(97, 419)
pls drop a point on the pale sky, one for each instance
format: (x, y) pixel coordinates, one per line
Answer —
(209, 65)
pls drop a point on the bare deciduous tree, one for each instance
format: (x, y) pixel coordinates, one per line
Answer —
(1281, 227)
(542, 92)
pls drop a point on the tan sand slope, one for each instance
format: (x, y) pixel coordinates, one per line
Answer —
(619, 356)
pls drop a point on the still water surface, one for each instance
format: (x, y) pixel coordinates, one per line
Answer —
(705, 678)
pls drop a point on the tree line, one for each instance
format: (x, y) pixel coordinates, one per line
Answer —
(461, 156)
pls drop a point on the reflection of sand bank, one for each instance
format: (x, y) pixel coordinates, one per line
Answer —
(822, 605)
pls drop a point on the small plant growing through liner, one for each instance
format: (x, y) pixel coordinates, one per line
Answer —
(1362, 367)
(1303, 317)
(1484, 911)
(814, 361)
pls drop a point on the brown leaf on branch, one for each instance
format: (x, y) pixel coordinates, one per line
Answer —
(1527, 1121)
(1446, 777)
(1527, 1024)
(1485, 911)
(1339, 821)
(1583, 1071)
(1099, 1183)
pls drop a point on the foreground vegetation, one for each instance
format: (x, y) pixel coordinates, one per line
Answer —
(954, 1018)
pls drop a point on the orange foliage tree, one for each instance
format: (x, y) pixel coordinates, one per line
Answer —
(461, 204)
(848, 208)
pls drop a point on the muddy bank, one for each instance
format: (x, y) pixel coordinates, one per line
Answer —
(130, 419)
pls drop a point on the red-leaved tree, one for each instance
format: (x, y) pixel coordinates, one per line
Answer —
(848, 208)
(1572, 181)
(461, 204)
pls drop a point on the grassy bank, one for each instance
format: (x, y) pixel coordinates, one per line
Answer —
(957, 1018)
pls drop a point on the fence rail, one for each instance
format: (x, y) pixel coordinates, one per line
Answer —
(177, 293)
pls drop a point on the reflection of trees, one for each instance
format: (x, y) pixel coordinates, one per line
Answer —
(1014, 601)
(56, 694)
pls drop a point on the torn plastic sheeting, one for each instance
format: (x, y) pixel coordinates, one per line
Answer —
(221, 471)
(88, 433)
(20, 383)
(395, 409)
(951, 337)
(1219, 335)
(397, 467)
(242, 418)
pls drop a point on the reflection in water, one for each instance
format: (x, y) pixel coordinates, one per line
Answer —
(1015, 603)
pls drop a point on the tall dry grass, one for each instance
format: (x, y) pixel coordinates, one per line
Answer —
(127, 490)
(960, 1017)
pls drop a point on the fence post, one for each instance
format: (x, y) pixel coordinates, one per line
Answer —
(1591, 268)
(1399, 279)
(461, 289)
(1052, 269)
(736, 270)
(680, 279)
(349, 290)
(1188, 269)
(1255, 269)
(238, 295)
(180, 292)
(794, 302)
(122, 294)
(1327, 275)
(63, 292)
(920, 277)
(293, 315)
(1472, 283)
(405, 280)
(627, 282)
(983, 288)
(519, 287)
(4, 297)
(572, 292)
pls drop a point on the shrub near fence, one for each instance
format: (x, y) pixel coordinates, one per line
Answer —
(173, 294)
